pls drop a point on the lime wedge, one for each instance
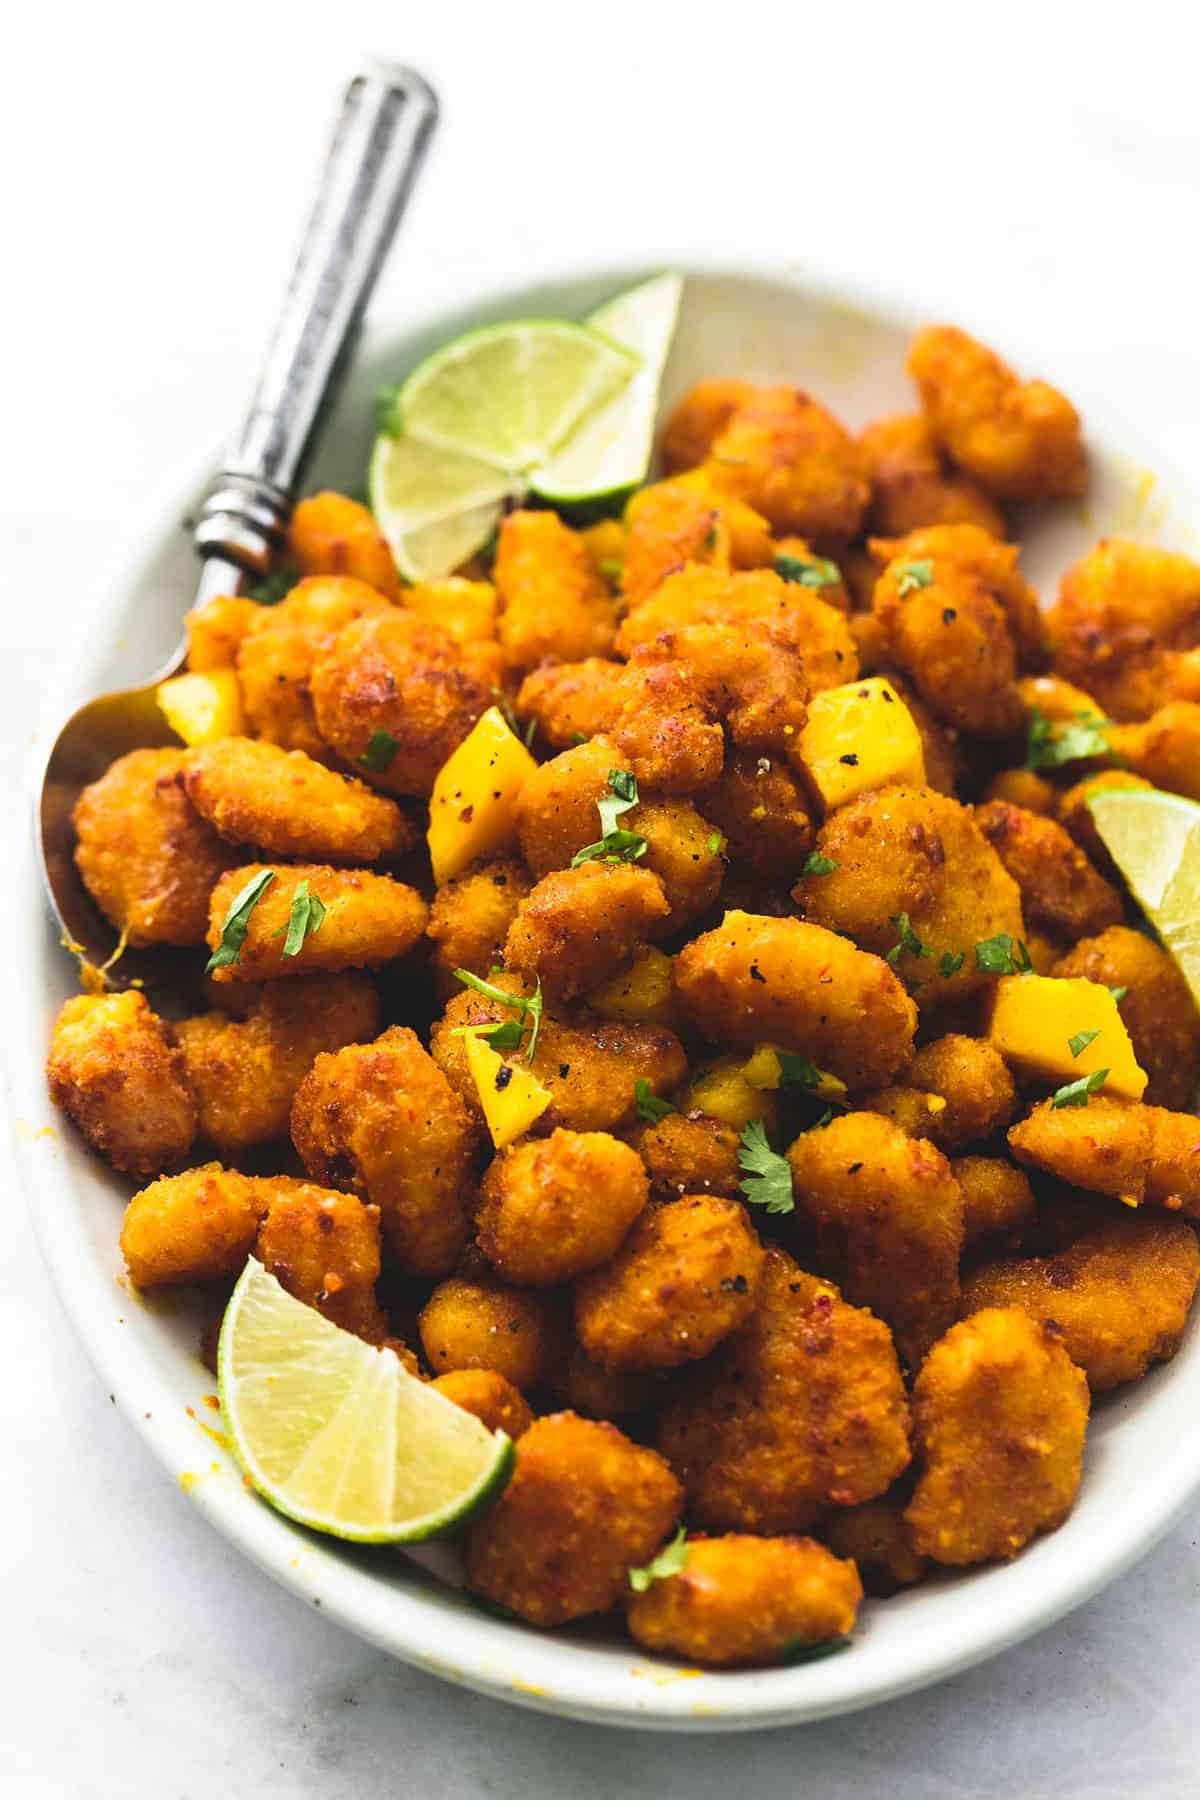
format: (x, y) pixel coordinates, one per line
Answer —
(510, 394)
(1154, 839)
(435, 507)
(609, 453)
(338, 1435)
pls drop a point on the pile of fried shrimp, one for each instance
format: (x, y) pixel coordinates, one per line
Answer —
(840, 1321)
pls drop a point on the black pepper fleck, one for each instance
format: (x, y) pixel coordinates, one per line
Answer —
(503, 1077)
(756, 974)
(854, 1168)
(850, 759)
(948, 615)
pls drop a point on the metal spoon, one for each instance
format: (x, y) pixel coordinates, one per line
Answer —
(382, 133)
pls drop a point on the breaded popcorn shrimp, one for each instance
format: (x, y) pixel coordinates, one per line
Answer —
(115, 1067)
(330, 534)
(553, 604)
(285, 804)
(912, 484)
(365, 919)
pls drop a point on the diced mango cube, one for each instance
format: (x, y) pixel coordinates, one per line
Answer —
(203, 706)
(511, 1096)
(466, 609)
(722, 1092)
(473, 807)
(641, 991)
(858, 738)
(764, 1070)
(1058, 1030)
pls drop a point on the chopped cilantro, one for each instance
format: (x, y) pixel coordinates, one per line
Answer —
(914, 575)
(275, 585)
(649, 1106)
(671, 1560)
(379, 752)
(530, 733)
(1049, 746)
(237, 921)
(1002, 955)
(1075, 1093)
(809, 571)
(816, 864)
(908, 940)
(716, 843)
(797, 1071)
(505, 1036)
(611, 567)
(768, 1176)
(1079, 1043)
(528, 1006)
(1118, 993)
(305, 918)
(951, 963)
(616, 844)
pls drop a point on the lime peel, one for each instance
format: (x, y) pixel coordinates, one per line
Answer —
(1154, 839)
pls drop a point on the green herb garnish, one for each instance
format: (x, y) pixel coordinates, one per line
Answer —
(1076, 1093)
(803, 1650)
(275, 585)
(237, 921)
(305, 919)
(671, 1560)
(914, 575)
(951, 962)
(797, 1071)
(1002, 955)
(1118, 993)
(908, 940)
(1049, 746)
(385, 411)
(616, 844)
(816, 864)
(1079, 1043)
(809, 571)
(768, 1176)
(379, 752)
(528, 1006)
(716, 843)
(649, 1106)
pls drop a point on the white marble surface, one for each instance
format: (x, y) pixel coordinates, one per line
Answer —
(1040, 174)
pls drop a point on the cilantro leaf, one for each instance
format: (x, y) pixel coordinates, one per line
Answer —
(768, 1176)
(237, 921)
(275, 585)
(649, 1106)
(1050, 745)
(385, 411)
(1118, 993)
(797, 1071)
(529, 1007)
(305, 918)
(908, 940)
(914, 575)
(671, 1560)
(505, 1036)
(816, 864)
(1079, 1043)
(809, 571)
(716, 843)
(950, 963)
(1002, 955)
(379, 752)
(1076, 1093)
(616, 844)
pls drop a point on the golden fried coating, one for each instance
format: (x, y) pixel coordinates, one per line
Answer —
(991, 564)
(285, 804)
(115, 1068)
(971, 1076)
(323, 1248)
(1118, 1297)
(470, 917)
(909, 850)
(878, 1539)
(690, 1154)
(465, 609)
(665, 730)
(699, 419)
(671, 523)
(368, 919)
(1024, 788)
(763, 810)
(917, 1113)
(584, 1507)
(1157, 1007)
(333, 535)
(744, 1601)
(474, 1321)
(803, 1408)
(148, 860)
(686, 1277)
(685, 854)
(1061, 893)
(1074, 814)
(999, 1417)
(791, 460)
(1019, 439)
(553, 1207)
(490, 1396)
(394, 673)
(888, 1218)
(1165, 749)
(572, 701)
(382, 1120)
(591, 1068)
(1127, 627)
(1124, 1148)
(748, 672)
(215, 630)
(244, 1071)
(945, 763)
(948, 600)
(998, 1203)
(604, 1393)
(912, 485)
(577, 925)
(553, 603)
(701, 596)
(760, 980)
(198, 1226)
(276, 657)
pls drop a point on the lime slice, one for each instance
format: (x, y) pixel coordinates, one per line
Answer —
(338, 1435)
(1154, 839)
(510, 394)
(609, 454)
(435, 507)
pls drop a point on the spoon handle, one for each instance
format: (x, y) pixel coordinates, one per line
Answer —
(379, 143)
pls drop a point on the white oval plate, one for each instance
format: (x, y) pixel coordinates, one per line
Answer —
(1143, 1455)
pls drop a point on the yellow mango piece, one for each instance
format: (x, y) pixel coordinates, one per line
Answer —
(466, 609)
(722, 1092)
(1036, 1017)
(473, 807)
(511, 1096)
(764, 1070)
(858, 738)
(203, 706)
(641, 991)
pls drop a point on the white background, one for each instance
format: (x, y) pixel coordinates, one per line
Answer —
(1034, 169)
